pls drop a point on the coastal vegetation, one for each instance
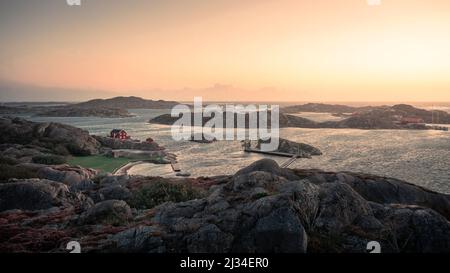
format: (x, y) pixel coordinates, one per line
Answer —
(11, 171)
(49, 159)
(163, 191)
(99, 162)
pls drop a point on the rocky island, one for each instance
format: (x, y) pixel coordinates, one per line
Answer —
(74, 111)
(104, 108)
(284, 121)
(128, 103)
(399, 116)
(321, 108)
(368, 113)
(290, 147)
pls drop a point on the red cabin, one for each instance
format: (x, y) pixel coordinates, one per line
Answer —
(119, 133)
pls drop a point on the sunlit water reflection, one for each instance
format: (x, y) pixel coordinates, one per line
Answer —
(420, 157)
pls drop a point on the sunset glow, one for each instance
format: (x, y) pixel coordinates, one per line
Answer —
(319, 50)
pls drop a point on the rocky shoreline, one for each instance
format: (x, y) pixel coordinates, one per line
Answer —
(262, 208)
(22, 141)
(44, 204)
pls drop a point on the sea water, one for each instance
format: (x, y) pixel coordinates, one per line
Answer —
(417, 156)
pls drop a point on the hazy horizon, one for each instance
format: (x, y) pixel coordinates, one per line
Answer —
(255, 50)
(23, 93)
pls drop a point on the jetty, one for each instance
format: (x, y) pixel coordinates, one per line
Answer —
(177, 169)
(251, 150)
(289, 162)
(175, 166)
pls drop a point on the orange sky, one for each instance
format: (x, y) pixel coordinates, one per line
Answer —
(321, 50)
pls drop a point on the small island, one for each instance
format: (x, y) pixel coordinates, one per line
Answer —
(103, 108)
(73, 111)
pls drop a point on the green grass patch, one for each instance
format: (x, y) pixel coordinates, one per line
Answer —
(99, 162)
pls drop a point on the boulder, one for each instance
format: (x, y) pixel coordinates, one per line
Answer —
(114, 192)
(340, 206)
(111, 180)
(22, 153)
(111, 212)
(51, 136)
(77, 141)
(138, 240)
(77, 178)
(209, 239)
(281, 232)
(38, 194)
(393, 191)
(415, 229)
(269, 166)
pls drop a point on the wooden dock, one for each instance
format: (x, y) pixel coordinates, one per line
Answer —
(175, 166)
(289, 162)
(250, 150)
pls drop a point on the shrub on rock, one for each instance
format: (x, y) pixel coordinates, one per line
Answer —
(49, 159)
(8, 172)
(160, 192)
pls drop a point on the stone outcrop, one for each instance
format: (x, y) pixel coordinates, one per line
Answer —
(59, 138)
(77, 178)
(262, 208)
(113, 212)
(38, 194)
(22, 153)
(291, 147)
